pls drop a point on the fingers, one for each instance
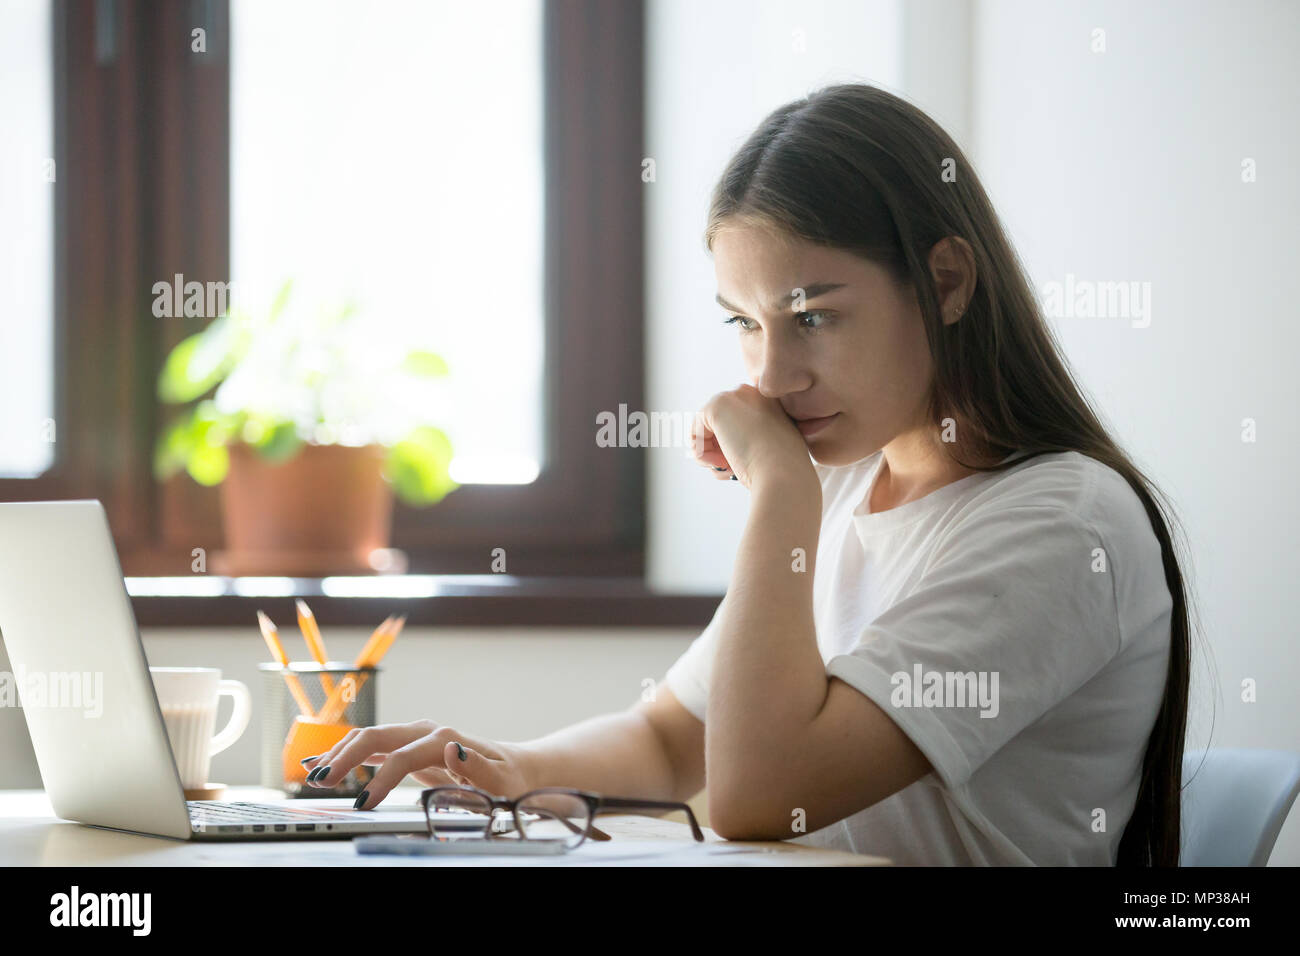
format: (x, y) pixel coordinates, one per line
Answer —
(320, 760)
(358, 746)
(710, 456)
(433, 755)
(431, 777)
(469, 768)
(427, 752)
(707, 452)
(462, 763)
(702, 438)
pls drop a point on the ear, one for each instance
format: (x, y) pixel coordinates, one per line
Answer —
(952, 265)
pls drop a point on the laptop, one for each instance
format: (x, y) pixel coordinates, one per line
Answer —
(65, 617)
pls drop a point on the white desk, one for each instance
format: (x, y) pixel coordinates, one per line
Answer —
(30, 835)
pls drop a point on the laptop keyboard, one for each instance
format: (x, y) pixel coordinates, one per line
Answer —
(210, 812)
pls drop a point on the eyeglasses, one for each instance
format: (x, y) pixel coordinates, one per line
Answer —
(549, 813)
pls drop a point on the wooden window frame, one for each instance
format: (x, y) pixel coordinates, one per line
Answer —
(143, 192)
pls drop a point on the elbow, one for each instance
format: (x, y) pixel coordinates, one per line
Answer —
(744, 818)
(745, 799)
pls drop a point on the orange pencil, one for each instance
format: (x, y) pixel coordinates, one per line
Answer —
(376, 636)
(387, 642)
(330, 710)
(370, 656)
(315, 644)
(271, 636)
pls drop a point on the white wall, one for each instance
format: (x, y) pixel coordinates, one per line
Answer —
(715, 70)
(512, 684)
(1115, 166)
(1126, 165)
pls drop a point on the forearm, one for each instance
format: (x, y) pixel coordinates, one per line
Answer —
(617, 754)
(775, 679)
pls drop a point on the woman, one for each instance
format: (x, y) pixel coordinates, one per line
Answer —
(956, 630)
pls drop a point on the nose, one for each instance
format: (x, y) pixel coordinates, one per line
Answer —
(778, 369)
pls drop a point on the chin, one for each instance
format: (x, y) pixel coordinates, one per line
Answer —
(834, 454)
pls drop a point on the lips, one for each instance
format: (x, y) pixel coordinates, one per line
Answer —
(811, 426)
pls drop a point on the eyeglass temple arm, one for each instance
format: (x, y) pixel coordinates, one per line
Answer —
(596, 833)
(609, 804)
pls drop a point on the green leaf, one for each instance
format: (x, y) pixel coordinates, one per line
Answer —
(174, 446)
(208, 463)
(426, 364)
(199, 362)
(207, 412)
(196, 442)
(418, 467)
(280, 301)
(280, 444)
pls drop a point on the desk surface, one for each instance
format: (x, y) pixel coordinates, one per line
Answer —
(31, 835)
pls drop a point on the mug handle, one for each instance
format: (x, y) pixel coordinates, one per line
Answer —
(239, 716)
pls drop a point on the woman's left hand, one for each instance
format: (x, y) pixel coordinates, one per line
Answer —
(751, 436)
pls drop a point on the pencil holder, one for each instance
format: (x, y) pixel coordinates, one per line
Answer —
(339, 697)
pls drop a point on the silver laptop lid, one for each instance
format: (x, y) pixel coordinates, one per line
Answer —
(81, 671)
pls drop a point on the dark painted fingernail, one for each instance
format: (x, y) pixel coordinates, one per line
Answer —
(304, 760)
(324, 772)
(311, 774)
(718, 468)
(733, 478)
(460, 752)
(361, 799)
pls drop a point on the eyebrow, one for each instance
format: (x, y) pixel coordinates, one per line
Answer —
(809, 292)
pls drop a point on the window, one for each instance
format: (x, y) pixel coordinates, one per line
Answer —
(148, 187)
(393, 155)
(27, 174)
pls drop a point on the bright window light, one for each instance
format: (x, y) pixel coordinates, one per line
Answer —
(393, 154)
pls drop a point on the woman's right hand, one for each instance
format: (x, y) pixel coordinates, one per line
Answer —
(433, 754)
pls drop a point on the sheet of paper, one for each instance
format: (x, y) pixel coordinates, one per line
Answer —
(591, 853)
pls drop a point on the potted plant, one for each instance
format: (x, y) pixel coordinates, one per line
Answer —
(309, 422)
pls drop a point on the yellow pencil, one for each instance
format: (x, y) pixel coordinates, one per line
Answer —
(370, 656)
(387, 642)
(272, 638)
(315, 644)
(376, 636)
(334, 704)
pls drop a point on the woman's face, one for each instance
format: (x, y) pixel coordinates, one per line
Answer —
(853, 349)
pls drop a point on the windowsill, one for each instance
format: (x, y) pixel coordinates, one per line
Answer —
(469, 600)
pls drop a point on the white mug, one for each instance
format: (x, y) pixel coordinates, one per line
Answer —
(188, 699)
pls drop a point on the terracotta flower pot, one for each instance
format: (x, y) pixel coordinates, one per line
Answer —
(321, 512)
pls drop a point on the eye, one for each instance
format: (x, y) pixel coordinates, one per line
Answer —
(821, 316)
(815, 320)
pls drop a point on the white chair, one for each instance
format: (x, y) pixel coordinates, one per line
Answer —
(1235, 804)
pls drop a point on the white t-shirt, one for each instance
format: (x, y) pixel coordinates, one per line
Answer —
(1044, 584)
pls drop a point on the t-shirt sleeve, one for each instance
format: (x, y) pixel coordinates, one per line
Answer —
(688, 677)
(1019, 598)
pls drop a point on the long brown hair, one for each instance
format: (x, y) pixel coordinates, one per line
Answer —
(854, 167)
